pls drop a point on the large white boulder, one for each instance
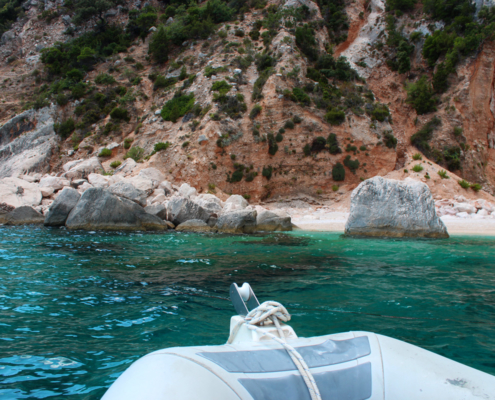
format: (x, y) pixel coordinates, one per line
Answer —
(153, 174)
(186, 190)
(141, 183)
(209, 202)
(98, 180)
(465, 207)
(82, 169)
(128, 191)
(54, 182)
(235, 203)
(17, 192)
(386, 207)
(126, 167)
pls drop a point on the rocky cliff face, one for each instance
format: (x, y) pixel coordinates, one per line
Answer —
(263, 107)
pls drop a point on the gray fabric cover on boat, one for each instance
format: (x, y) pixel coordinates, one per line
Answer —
(344, 384)
(327, 353)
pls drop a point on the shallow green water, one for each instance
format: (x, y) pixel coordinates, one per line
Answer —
(77, 308)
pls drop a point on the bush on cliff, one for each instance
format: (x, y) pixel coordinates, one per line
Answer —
(177, 107)
(338, 172)
(420, 96)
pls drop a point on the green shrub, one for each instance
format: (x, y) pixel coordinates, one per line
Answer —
(119, 113)
(272, 144)
(352, 165)
(301, 97)
(457, 131)
(452, 156)
(75, 75)
(105, 79)
(136, 153)
(62, 99)
(464, 184)
(335, 116)
(177, 107)
(417, 168)
(162, 82)
(256, 110)
(105, 153)
(127, 143)
(65, 128)
(417, 157)
(161, 146)
(420, 96)
(319, 143)
(476, 187)
(421, 138)
(336, 187)
(296, 119)
(333, 144)
(363, 148)
(307, 150)
(222, 87)
(406, 171)
(185, 144)
(379, 112)
(115, 164)
(338, 172)
(279, 137)
(289, 124)
(267, 172)
(443, 174)
(390, 140)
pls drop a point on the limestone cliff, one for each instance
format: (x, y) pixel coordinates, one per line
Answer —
(263, 107)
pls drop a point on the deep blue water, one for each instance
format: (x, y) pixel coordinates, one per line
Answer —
(77, 308)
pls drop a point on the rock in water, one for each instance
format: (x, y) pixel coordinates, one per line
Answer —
(17, 192)
(243, 221)
(24, 215)
(100, 209)
(390, 208)
(269, 221)
(194, 225)
(61, 207)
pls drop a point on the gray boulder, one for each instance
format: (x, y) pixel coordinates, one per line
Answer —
(61, 207)
(4, 210)
(386, 207)
(27, 142)
(23, 216)
(269, 221)
(194, 225)
(243, 221)
(157, 209)
(180, 209)
(99, 209)
(128, 191)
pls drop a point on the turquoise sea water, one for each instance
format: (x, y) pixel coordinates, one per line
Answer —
(77, 308)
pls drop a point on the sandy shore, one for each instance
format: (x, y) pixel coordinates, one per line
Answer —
(335, 222)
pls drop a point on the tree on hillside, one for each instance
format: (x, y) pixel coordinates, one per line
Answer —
(85, 10)
(159, 46)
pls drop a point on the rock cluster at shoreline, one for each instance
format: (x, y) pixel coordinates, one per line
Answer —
(461, 207)
(390, 208)
(81, 198)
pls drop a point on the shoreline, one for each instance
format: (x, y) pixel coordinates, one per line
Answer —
(455, 226)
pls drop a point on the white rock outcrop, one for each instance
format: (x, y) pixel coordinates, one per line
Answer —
(17, 193)
(390, 208)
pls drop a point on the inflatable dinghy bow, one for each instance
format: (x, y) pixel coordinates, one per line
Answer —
(273, 311)
(264, 359)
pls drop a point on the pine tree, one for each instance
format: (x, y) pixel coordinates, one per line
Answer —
(159, 46)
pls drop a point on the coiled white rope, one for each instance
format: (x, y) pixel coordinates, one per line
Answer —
(275, 312)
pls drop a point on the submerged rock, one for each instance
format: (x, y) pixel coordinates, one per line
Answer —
(386, 207)
(243, 221)
(23, 216)
(100, 209)
(61, 207)
(269, 221)
(194, 225)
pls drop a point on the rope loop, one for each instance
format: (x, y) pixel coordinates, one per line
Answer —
(275, 312)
